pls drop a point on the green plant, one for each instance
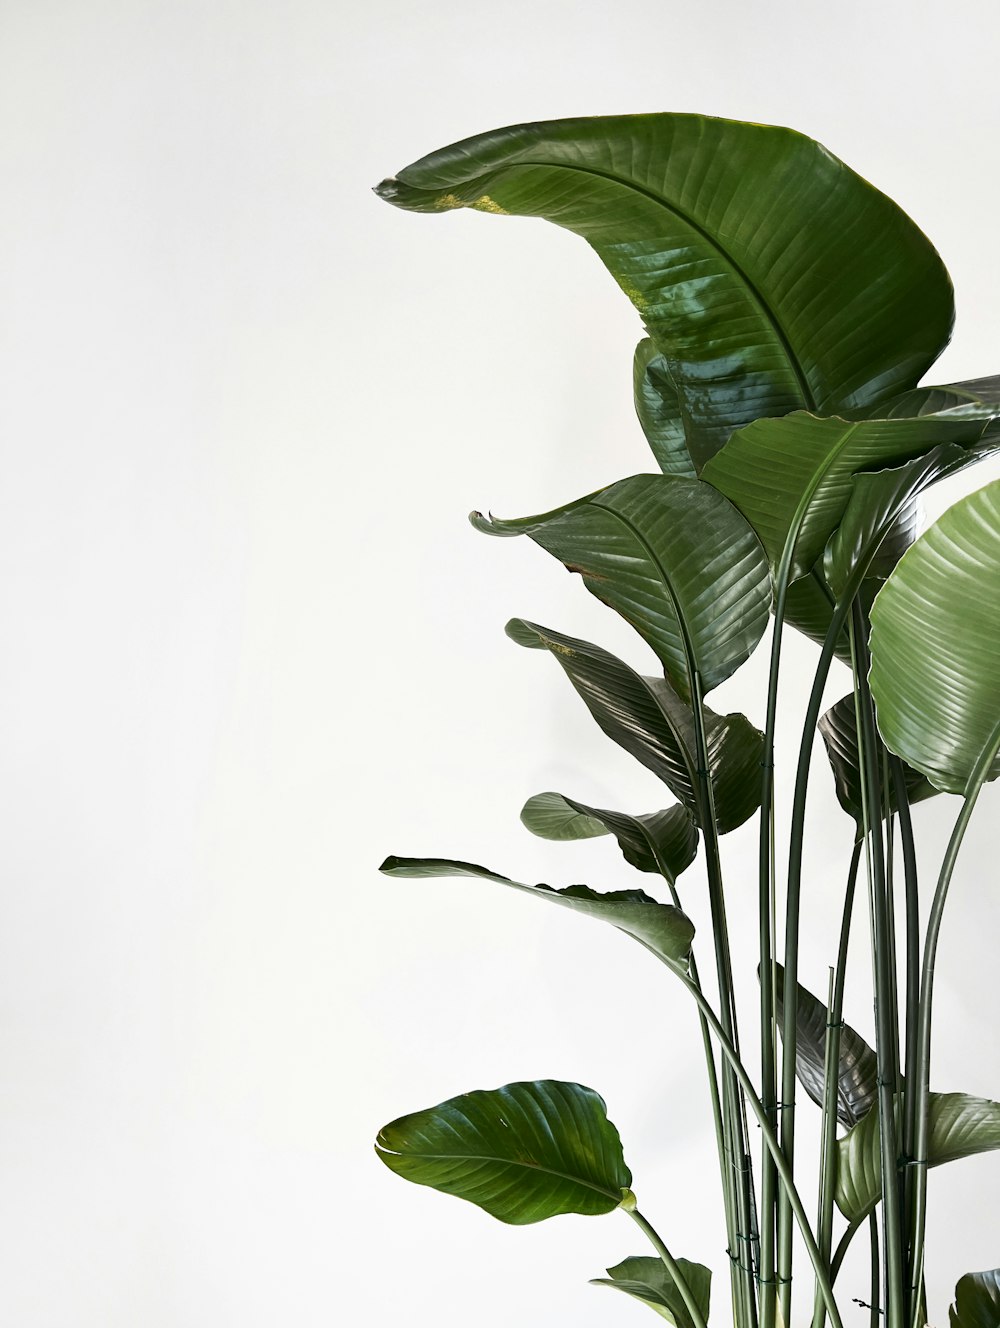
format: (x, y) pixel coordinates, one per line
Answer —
(791, 311)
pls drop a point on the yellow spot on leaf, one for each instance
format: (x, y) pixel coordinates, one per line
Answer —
(448, 201)
(487, 204)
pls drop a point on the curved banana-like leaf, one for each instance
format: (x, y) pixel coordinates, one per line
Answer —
(882, 511)
(791, 478)
(524, 1152)
(659, 927)
(857, 1072)
(648, 1280)
(770, 276)
(960, 1126)
(651, 722)
(839, 729)
(935, 648)
(933, 400)
(674, 558)
(658, 407)
(664, 841)
(977, 1301)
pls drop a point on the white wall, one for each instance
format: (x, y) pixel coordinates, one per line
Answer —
(251, 645)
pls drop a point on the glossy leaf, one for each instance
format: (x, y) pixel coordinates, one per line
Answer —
(857, 1073)
(666, 840)
(960, 1126)
(809, 608)
(839, 730)
(648, 1280)
(674, 558)
(977, 1301)
(881, 519)
(770, 276)
(659, 927)
(651, 722)
(935, 647)
(524, 1152)
(933, 400)
(791, 478)
(657, 405)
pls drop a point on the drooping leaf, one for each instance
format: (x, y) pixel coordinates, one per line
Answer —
(977, 1301)
(659, 927)
(674, 558)
(770, 276)
(857, 1072)
(648, 1280)
(935, 647)
(839, 729)
(960, 1126)
(934, 400)
(882, 511)
(651, 722)
(524, 1152)
(657, 405)
(666, 840)
(791, 478)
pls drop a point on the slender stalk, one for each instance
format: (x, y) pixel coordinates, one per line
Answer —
(912, 1001)
(835, 1016)
(876, 1266)
(842, 1247)
(921, 1087)
(710, 1065)
(672, 1267)
(770, 1139)
(886, 1043)
(741, 1254)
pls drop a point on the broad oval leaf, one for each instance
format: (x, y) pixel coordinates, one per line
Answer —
(977, 1301)
(960, 1126)
(648, 1280)
(657, 404)
(791, 478)
(659, 927)
(935, 647)
(857, 1071)
(524, 1152)
(664, 841)
(674, 558)
(770, 275)
(839, 730)
(649, 720)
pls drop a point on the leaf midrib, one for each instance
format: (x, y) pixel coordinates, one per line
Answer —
(758, 296)
(507, 1162)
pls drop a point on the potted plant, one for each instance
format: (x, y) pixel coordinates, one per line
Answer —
(791, 313)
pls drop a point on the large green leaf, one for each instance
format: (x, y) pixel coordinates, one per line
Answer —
(935, 647)
(839, 729)
(809, 607)
(674, 558)
(659, 927)
(791, 478)
(960, 1126)
(657, 405)
(977, 1301)
(523, 1152)
(648, 1280)
(857, 1071)
(651, 722)
(933, 400)
(881, 518)
(666, 840)
(769, 275)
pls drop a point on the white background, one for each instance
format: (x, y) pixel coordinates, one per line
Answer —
(251, 645)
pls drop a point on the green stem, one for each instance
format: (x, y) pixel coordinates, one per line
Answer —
(886, 1039)
(835, 1017)
(921, 1087)
(876, 1265)
(735, 1112)
(672, 1267)
(771, 1144)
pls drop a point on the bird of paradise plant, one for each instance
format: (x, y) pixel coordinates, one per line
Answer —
(791, 312)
